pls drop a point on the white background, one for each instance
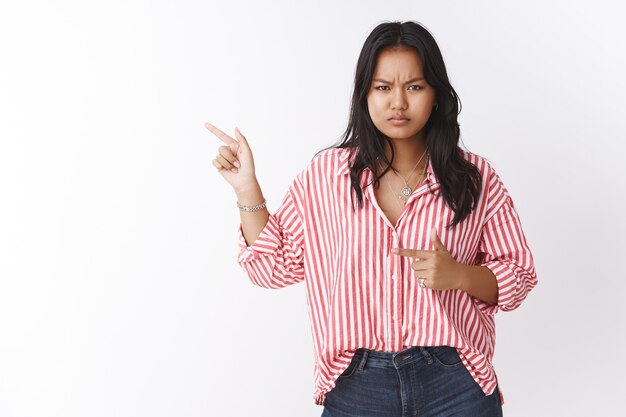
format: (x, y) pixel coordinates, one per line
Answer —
(119, 289)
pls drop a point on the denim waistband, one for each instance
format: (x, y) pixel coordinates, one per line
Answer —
(407, 356)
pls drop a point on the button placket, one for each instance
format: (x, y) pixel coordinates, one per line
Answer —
(393, 268)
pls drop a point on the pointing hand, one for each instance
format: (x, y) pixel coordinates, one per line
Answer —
(438, 267)
(234, 160)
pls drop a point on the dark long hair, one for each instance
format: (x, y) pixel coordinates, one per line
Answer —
(460, 180)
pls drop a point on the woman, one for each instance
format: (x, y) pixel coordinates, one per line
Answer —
(403, 279)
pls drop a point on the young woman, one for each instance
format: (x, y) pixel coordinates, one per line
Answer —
(408, 245)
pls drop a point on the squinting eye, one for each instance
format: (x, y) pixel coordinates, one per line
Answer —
(419, 87)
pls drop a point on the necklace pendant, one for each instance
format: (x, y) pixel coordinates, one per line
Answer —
(406, 191)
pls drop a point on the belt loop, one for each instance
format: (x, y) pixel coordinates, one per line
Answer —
(426, 354)
(363, 360)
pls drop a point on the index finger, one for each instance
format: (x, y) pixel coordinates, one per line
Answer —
(227, 139)
(413, 253)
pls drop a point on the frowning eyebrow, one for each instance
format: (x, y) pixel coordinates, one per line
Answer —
(412, 80)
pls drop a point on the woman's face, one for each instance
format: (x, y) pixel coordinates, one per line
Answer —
(399, 89)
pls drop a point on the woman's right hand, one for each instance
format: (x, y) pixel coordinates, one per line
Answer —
(232, 154)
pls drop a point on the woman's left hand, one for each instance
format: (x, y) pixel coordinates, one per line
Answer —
(438, 267)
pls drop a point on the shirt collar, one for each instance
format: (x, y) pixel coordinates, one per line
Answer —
(344, 166)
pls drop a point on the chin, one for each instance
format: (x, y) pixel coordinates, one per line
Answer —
(400, 133)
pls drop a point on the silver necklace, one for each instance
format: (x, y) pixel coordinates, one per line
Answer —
(406, 190)
(401, 196)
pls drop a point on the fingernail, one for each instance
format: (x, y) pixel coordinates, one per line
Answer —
(237, 164)
(234, 169)
(394, 250)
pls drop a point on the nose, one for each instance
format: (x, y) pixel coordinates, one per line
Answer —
(398, 99)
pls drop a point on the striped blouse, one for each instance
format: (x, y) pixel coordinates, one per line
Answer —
(359, 294)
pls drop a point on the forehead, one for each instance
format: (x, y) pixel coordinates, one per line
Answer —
(398, 62)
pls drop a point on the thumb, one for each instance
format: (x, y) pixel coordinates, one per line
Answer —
(435, 239)
(243, 142)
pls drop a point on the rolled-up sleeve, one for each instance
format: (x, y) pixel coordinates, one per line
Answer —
(504, 250)
(276, 258)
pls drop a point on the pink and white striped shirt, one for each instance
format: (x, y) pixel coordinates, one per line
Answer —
(359, 294)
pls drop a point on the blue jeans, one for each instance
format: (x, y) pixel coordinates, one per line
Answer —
(418, 381)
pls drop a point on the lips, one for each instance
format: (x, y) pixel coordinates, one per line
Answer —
(401, 121)
(398, 118)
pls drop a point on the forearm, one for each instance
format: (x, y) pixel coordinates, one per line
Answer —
(252, 222)
(478, 281)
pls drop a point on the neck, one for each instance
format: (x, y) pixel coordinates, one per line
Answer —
(406, 154)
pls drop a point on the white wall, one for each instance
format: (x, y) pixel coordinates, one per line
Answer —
(119, 289)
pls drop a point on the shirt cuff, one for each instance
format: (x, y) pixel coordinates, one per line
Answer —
(506, 280)
(266, 243)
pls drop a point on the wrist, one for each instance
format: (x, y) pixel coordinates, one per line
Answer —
(249, 189)
(462, 276)
(250, 196)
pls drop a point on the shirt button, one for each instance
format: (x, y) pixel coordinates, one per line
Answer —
(393, 276)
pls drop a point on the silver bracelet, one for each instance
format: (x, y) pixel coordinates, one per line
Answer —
(252, 208)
